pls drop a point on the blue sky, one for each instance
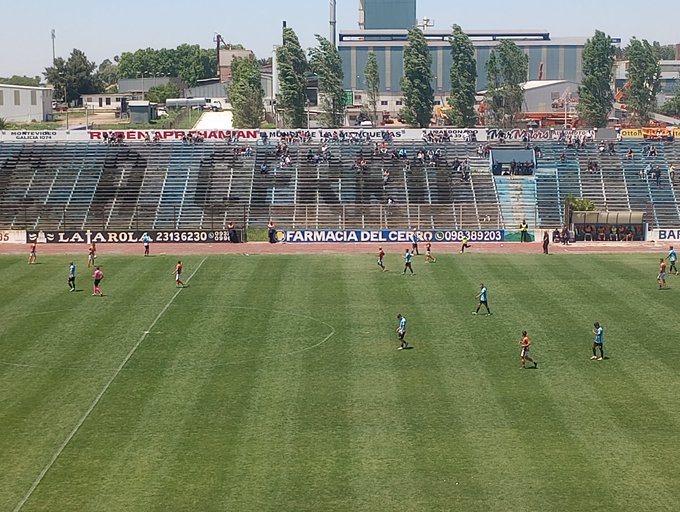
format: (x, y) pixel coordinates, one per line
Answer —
(104, 29)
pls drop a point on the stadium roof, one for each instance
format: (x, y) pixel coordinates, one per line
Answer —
(478, 37)
(436, 34)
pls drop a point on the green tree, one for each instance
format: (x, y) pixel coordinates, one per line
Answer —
(493, 99)
(292, 65)
(463, 79)
(3, 123)
(579, 204)
(644, 76)
(672, 106)
(372, 77)
(21, 80)
(188, 62)
(595, 92)
(73, 77)
(160, 93)
(507, 70)
(246, 94)
(662, 51)
(416, 84)
(325, 61)
(107, 73)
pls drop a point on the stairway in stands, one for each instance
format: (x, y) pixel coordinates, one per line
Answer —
(517, 199)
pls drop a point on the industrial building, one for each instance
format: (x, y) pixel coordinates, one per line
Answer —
(383, 28)
(25, 104)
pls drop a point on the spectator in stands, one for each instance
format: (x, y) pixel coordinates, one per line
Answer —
(629, 154)
(385, 177)
(657, 175)
(652, 151)
(611, 149)
(563, 157)
(671, 173)
(147, 138)
(264, 168)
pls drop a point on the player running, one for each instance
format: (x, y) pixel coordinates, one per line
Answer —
(91, 255)
(408, 256)
(483, 297)
(672, 258)
(464, 244)
(526, 348)
(661, 278)
(32, 255)
(72, 277)
(401, 331)
(598, 331)
(428, 254)
(381, 259)
(178, 274)
(97, 276)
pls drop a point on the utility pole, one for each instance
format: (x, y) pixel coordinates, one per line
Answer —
(333, 20)
(54, 55)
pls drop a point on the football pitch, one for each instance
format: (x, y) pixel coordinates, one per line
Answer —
(275, 383)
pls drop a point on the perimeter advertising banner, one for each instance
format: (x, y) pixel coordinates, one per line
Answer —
(243, 135)
(125, 237)
(664, 235)
(388, 235)
(12, 236)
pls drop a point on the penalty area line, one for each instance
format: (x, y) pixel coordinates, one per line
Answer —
(94, 404)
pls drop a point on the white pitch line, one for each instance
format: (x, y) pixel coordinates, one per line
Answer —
(83, 419)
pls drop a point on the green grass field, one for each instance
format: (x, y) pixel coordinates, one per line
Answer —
(274, 383)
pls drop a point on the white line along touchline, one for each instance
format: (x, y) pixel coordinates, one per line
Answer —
(84, 417)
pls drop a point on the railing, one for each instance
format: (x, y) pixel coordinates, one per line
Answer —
(307, 216)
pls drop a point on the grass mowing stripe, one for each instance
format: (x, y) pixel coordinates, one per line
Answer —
(626, 477)
(82, 420)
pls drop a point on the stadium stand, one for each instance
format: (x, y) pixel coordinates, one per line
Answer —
(175, 185)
